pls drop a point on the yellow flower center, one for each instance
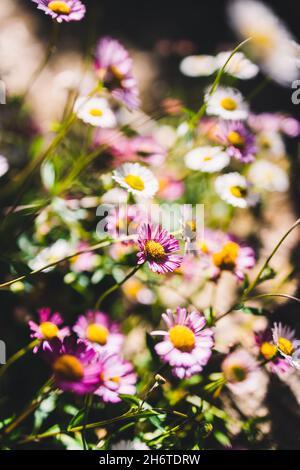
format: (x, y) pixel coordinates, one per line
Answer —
(116, 72)
(285, 346)
(97, 334)
(236, 139)
(261, 40)
(192, 225)
(155, 250)
(207, 158)
(116, 380)
(135, 182)
(226, 258)
(236, 373)
(203, 247)
(229, 104)
(238, 191)
(182, 338)
(48, 330)
(96, 112)
(59, 7)
(268, 350)
(68, 368)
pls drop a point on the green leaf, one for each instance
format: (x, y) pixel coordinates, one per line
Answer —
(253, 310)
(222, 439)
(77, 419)
(132, 399)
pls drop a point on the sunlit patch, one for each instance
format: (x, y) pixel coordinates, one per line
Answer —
(135, 182)
(69, 368)
(49, 330)
(97, 334)
(155, 251)
(285, 346)
(182, 338)
(268, 350)
(59, 7)
(229, 104)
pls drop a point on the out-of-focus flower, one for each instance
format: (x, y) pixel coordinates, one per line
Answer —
(130, 445)
(62, 10)
(233, 257)
(275, 122)
(287, 344)
(186, 344)
(239, 370)
(268, 176)
(227, 103)
(268, 352)
(235, 190)
(47, 328)
(238, 66)
(52, 254)
(117, 377)
(94, 111)
(97, 328)
(124, 220)
(137, 179)
(208, 159)
(239, 141)
(198, 65)
(271, 144)
(170, 188)
(136, 291)
(114, 66)
(85, 261)
(271, 43)
(4, 166)
(158, 248)
(75, 365)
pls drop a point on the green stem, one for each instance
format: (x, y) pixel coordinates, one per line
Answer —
(266, 263)
(116, 286)
(87, 406)
(17, 356)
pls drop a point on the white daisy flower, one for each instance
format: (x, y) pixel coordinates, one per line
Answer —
(268, 176)
(287, 344)
(271, 43)
(238, 66)
(129, 445)
(234, 189)
(137, 179)
(4, 166)
(198, 65)
(271, 143)
(59, 250)
(94, 111)
(228, 103)
(207, 159)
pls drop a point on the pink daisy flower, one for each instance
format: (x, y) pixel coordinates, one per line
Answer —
(124, 220)
(187, 344)
(268, 352)
(239, 369)
(117, 377)
(157, 247)
(75, 365)
(47, 328)
(62, 10)
(114, 66)
(239, 141)
(96, 328)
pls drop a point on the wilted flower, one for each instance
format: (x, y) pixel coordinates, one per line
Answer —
(227, 103)
(238, 66)
(94, 111)
(96, 328)
(186, 344)
(158, 248)
(235, 190)
(271, 43)
(240, 143)
(114, 66)
(62, 10)
(48, 327)
(75, 365)
(137, 179)
(268, 176)
(117, 377)
(207, 159)
(287, 344)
